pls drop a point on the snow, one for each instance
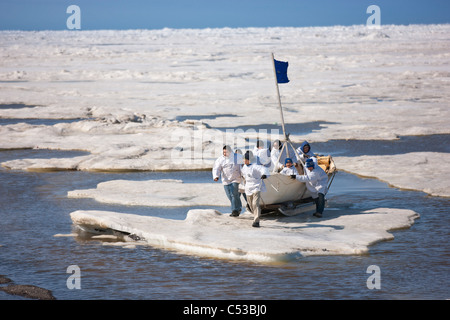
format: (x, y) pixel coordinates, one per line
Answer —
(213, 234)
(124, 90)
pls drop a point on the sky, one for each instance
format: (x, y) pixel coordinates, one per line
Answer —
(158, 14)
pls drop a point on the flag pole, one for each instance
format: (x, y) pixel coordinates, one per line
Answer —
(286, 137)
(279, 99)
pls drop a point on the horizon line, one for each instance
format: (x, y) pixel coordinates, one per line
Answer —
(225, 27)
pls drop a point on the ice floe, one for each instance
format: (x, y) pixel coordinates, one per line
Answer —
(157, 193)
(213, 234)
(423, 171)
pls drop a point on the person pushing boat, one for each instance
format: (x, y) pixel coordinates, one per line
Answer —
(316, 181)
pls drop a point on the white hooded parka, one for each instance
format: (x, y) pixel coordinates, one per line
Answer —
(252, 174)
(229, 168)
(316, 181)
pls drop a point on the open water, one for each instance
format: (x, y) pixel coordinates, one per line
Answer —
(34, 208)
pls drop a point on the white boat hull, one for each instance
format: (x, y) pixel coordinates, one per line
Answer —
(290, 196)
(281, 188)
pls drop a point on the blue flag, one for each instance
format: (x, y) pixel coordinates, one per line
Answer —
(281, 70)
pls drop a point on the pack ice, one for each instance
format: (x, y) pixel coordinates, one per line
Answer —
(125, 89)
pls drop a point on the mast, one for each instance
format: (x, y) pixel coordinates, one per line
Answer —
(286, 137)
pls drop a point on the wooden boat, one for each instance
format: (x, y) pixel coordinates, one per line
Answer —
(290, 196)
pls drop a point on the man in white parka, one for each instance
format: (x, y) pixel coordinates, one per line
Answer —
(253, 175)
(316, 182)
(229, 167)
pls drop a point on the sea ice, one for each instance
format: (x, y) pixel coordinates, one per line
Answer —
(213, 234)
(159, 193)
(125, 89)
(423, 171)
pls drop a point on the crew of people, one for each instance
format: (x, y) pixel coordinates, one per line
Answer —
(244, 175)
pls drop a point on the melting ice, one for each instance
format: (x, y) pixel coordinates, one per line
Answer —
(213, 234)
(127, 88)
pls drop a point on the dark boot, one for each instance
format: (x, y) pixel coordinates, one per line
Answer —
(235, 213)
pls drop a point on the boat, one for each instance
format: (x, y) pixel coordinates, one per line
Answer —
(284, 194)
(290, 196)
